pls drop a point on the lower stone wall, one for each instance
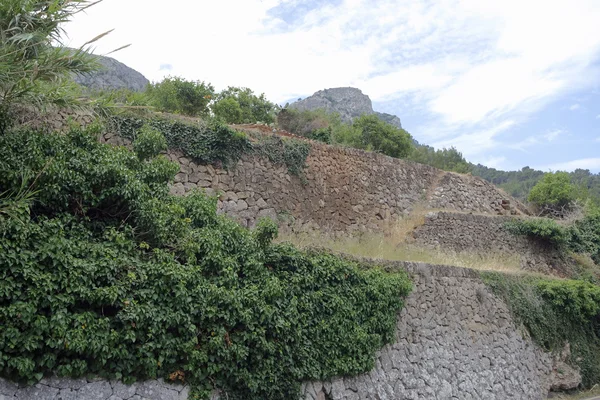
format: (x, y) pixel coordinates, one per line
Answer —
(454, 340)
(485, 234)
(92, 389)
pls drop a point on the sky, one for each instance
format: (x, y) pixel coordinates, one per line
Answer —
(508, 83)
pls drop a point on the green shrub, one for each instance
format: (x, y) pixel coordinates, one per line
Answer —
(445, 159)
(149, 142)
(284, 151)
(180, 96)
(111, 275)
(303, 123)
(229, 110)
(555, 312)
(206, 142)
(554, 192)
(322, 135)
(541, 228)
(584, 236)
(370, 133)
(237, 105)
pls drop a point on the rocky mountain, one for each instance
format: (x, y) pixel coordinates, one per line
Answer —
(113, 75)
(349, 102)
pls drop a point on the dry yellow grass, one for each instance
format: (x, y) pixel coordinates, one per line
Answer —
(593, 393)
(383, 247)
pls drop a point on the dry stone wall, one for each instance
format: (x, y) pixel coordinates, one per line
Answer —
(485, 234)
(454, 340)
(54, 388)
(342, 190)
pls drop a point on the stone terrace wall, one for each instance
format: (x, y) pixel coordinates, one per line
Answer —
(454, 340)
(484, 234)
(344, 189)
(472, 194)
(92, 389)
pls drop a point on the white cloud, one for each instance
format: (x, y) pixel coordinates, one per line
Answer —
(494, 162)
(598, 116)
(584, 163)
(575, 107)
(553, 134)
(474, 143)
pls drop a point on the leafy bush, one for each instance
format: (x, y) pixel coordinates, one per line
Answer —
(149, 143)
(206, 142)
(555, 312)
(584, 235)
(241, 106)
(541, 228)
(554, 192)
(284, 151)
(180, 96)
(111, 275)
(370, 133)
(303, 123)
(445, 159)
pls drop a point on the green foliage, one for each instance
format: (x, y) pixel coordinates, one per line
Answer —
(180, 96)
(111, 275)
(322, 135)
(205, 141)
(555, 312)
(370, 133)
(34, 68)
(303, 123)
(149, 142)
(445, 159)
(284, 151)
(520, 183)
(237, 105)
(554, 190)
(541, 228)
(585, 235)
(229, 110)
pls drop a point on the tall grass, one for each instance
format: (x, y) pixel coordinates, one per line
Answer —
(386, 247)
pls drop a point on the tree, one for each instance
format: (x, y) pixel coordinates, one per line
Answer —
(35, 68)
(237, 105)
(373, 134)
(553, 194)
(180, 96)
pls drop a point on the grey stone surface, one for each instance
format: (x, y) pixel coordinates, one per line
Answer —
(349, 102)
(54, 388)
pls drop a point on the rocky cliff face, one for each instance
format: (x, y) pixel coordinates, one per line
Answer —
(113, 75)
(349, 102)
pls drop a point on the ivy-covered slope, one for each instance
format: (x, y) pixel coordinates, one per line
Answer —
(103, 272)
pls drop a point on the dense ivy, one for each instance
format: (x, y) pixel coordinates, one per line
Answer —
(206, 142)
(541, 228)
(106, 273)
(284, 151)
(555, 312)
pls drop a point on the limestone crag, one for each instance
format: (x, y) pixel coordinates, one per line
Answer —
(349, 102)
(113, 75)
